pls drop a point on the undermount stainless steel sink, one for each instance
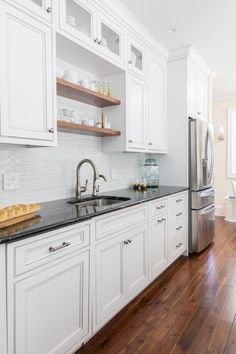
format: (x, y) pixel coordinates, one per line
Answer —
(101, 201)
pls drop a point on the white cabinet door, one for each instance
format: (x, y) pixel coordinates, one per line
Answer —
(202, 97)
(158, 245)
(198, 93)
(136, 120)
(136, 260)
(192, 99)
(42, 8)
(136, 57)
(110, 38)
(51, 309)
(26, 69)
(78, 18)
(156, 105)
(109, 283)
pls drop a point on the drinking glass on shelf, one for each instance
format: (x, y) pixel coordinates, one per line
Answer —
(104, 88)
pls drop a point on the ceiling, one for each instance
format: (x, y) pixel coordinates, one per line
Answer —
(209, 25)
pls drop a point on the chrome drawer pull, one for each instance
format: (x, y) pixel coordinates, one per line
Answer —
(179, 214)
(177, 246)
(126, 242)
(129, 241)
(179, 228)
(63, 245)
(159, 220)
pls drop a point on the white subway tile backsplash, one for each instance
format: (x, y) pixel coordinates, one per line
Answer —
(49, 173)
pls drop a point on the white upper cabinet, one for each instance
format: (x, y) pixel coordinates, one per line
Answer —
(78, 18)
(27, 85)
(41, 8)
(198, 92)
(136, 57)
(136, 117)
(110, 38)
(156, 105)
(85, 24)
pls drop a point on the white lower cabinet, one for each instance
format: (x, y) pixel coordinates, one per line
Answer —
(136, 260)
(109, 279)
(50, 309)
(121, 271)
(158, 245)
(177, 233)
(59, 283)
(49, 304)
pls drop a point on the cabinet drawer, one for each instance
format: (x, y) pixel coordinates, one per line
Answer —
(159, 207)
(178, 201)
(30, 254)
(178, 217)
(120, 220)
(177, 243)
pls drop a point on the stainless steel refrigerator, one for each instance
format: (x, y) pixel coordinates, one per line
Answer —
(202, 207)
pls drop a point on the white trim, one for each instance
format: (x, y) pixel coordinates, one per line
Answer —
(231, 114)
(226, 97)
(220, 210)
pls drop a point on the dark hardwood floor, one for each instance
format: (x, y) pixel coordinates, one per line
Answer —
(190, 309)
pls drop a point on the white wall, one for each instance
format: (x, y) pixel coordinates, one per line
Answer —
(49, 173)
(221, 182)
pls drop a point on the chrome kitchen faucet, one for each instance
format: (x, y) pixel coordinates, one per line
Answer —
(79, 189)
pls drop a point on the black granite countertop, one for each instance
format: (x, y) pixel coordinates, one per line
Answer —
(60, 213)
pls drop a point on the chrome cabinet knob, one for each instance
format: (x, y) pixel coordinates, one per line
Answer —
(150, 143)
(129, 241)
(51, 130)
(49, 10)
(130, 141)
(130, 61)
(126, 242)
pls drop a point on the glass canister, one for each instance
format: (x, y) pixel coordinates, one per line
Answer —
(151, 173)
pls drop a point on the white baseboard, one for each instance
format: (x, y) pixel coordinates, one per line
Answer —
(220, 211)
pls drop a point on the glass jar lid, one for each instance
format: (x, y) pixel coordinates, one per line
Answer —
(150, 162)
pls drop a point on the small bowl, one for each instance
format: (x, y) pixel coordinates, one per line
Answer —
(60, 72)
(89, 122)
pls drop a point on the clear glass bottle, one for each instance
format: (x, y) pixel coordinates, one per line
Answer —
(151, 173)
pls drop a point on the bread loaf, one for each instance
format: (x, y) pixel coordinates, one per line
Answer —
(17, 210)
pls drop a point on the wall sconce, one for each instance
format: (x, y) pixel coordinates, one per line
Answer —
(221, 133)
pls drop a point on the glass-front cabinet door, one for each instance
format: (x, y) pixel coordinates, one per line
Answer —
(77, 17)
(43, 8)
(136, 57)
(110, 39)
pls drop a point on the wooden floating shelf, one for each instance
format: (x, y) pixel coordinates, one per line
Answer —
(85, 129)
(76, 92)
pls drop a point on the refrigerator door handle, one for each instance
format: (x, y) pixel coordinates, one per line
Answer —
(207, 210)
(210, 151)
(207, 193)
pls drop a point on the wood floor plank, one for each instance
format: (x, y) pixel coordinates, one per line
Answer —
(191, 308)
(230, 347)
(219, 338)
